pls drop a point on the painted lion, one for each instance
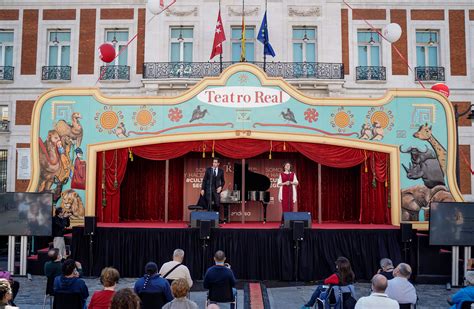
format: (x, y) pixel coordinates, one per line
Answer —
(72, 204)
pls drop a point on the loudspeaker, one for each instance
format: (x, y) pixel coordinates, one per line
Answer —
(205, 229)
(298, 230)
(407, 232)
(288, 217)
(198, 216)
(90, 223)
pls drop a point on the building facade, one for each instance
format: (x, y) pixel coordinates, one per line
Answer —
(324, 49)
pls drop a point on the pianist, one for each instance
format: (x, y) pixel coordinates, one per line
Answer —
(212, 185)
(287, 183)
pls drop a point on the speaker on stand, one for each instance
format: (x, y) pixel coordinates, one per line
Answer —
(90, 224)
(407, 238)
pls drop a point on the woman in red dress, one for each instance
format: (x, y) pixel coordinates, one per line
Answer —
(287, 183)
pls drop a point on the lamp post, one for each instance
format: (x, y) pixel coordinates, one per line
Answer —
(457, 116)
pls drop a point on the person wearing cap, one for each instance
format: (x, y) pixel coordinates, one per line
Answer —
(152, 282)
(465, 294)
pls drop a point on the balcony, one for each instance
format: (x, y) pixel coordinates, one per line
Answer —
(115, 73)
(4, 126)
(56, 73)
(430, 73)
(287, 70)
(371, 73)
(6, 73)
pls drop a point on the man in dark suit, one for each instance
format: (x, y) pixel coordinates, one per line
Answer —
(212, 185)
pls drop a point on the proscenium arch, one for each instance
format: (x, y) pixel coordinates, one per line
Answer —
(265, 81)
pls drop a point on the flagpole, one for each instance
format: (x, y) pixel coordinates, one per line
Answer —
(242, 39)
(265, 44)
(222, 51)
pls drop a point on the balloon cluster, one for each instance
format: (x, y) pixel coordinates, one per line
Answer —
(392, 32)
(441, 88)
(107, 52)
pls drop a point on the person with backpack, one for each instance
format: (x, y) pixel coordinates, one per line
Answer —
(175, 269)
(344, 276)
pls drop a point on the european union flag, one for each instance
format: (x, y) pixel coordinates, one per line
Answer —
(263, 37)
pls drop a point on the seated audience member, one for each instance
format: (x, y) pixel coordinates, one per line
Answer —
(180, 289)
(6, 294)
(52, 268)
(14, 285)
(465, 294)
(175, 269)
(69, 281)
(378, 298)
(125, 299)
(153, 283)
(343, 276)
(220, 274)
(109, 278)
(386, 268)
(399, 288)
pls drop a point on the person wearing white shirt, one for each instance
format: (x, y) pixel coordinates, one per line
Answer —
(399, 288)
(378, 298)
(175, 269)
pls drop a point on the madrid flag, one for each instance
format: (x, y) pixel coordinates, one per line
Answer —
(219, 38)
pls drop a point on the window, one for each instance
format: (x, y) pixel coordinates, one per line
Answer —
(427, 45)
(119, 39)
(236, 40)
(6, 48)
(304, 44)
(3, 170)
(3, 113)
(368, 45)
(59, 47)
(181, 44)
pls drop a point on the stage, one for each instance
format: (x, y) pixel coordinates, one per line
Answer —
(255, 250)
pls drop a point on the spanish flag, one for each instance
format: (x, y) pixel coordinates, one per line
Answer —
(242, 38)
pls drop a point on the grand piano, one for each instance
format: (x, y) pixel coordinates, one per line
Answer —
(256, 188)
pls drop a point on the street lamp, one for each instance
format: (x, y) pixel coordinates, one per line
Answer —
(457, 116)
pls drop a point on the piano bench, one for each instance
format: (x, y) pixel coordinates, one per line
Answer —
(195, 207)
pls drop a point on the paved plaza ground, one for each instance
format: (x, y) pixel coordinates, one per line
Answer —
(291, 296)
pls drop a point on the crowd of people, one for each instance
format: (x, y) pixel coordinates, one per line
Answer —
(170, 285)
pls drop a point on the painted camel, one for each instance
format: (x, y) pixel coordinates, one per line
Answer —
(49, 160)
(425, 133)
(73, 131)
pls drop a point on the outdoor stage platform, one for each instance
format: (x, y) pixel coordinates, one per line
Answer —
(255, 250)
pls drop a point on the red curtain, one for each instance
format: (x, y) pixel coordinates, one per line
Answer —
(307, 173)
(338, 183)
(108, 204)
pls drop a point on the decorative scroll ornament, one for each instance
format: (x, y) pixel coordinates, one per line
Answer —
(251, 10)
(301, 11)
(182, 13)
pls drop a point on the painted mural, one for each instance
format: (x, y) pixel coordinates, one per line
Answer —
(418, 124)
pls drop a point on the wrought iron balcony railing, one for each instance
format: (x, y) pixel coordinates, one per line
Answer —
(4, 126)
(58, 72)
(289, 70)
(430, 73)
(371, 73)
(6, 73)
(115, 72)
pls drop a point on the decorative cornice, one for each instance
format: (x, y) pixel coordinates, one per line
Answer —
(236, 10)
(304, 11)
(181, 13)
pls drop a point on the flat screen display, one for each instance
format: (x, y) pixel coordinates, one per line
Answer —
(26, 214)
(452, 224)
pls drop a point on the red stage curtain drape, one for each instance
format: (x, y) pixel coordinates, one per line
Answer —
(373, 199)
(175, 189)
(307, 173)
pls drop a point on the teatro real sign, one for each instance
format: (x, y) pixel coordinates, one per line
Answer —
(234, 96)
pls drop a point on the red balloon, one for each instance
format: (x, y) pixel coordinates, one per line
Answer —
(107, 52)
(441, 88)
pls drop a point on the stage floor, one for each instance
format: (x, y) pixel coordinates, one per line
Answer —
(248, 225)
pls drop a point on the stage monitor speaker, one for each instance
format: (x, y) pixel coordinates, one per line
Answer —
(298, 230)
(288, 217)
(198, 216)
(205, 229)
(90, 223)
(407, 232)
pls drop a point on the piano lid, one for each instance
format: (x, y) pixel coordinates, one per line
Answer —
(253, 181)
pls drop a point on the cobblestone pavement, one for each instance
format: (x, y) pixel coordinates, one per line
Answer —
(31, 294)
